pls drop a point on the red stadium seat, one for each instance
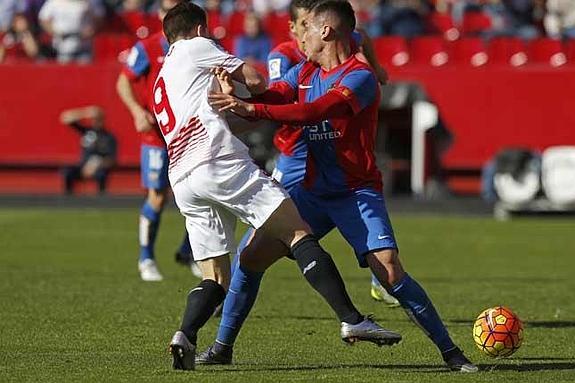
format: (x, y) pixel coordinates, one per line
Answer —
(443, 23)
(469, 51)
(235, 24)
(570, 51)
(112, 46)
(429, 50)
(391, 50)
(276, 26)
(475, 22)
(546, 51)
(507, 51)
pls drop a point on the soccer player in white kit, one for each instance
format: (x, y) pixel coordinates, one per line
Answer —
(215, 182)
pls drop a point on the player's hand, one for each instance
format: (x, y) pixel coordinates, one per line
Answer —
(223, 102)
(225, 79)
(143, 120)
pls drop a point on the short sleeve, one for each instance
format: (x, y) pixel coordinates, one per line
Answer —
(138, 62)
(278, 65)
(359, 88)
(207, 55)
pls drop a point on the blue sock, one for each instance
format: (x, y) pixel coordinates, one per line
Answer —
(241, 296)
(243, 243)
(420, 309)
(375, 281)
(149, 222)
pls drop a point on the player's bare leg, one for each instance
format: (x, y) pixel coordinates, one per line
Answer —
(149, 223)
(201, 303)
(386, 266)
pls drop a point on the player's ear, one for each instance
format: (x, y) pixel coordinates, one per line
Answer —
(291, 25)
(201, 31)
(327, 33)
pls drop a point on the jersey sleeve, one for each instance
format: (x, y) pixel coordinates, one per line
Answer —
(278, 66)
(359, 88)
(138, 62)
(207, 55)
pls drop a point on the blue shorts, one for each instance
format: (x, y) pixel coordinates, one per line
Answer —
(289, 171)
(154, 167)
(361, 217)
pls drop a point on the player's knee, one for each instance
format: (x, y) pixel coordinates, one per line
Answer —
(386, 265)
(216, 269)
(287, 224)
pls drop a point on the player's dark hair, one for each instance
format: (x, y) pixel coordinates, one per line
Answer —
(342, 9)
(301, 4)
(183, 19)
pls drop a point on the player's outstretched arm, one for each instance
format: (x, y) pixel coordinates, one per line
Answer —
(331, 105)
(143, 119)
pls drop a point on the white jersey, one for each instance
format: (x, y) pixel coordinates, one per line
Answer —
(194, 132)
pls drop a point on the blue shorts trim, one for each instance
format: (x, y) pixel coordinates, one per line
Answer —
(361, 217)
(154, 167)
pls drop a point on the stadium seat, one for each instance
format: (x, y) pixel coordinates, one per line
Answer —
(235, 24)
(558, 174)
(109, 46)
(276, 25)
(443, 23)
(429, 50)
(507, 51)
(391, 50)
(546, 51)
(469, 51)
(475, 22)
(570, 51)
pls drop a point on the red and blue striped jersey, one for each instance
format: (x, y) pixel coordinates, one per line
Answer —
(340, 150)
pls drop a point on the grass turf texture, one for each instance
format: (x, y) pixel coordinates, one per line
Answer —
(72, 307)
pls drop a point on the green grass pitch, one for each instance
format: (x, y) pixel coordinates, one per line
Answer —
(72, 307)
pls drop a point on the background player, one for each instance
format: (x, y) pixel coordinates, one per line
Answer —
(215, 182)
(99, 147)
(338, 101)
(144, 63)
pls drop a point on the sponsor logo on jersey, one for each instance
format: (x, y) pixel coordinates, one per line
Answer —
(322, 132)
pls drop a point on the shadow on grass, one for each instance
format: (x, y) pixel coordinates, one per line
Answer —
(539, 324)
(406, 368)
(521, 367)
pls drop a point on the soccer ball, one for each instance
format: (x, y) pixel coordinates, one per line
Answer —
(498, 332)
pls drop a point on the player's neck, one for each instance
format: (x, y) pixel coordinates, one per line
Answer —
(334, 54)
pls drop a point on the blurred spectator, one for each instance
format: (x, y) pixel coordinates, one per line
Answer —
(18, 43)
(263, 7)
(402, 17)
(98, 147)
(254, 44)
(72, 24)
(511, 18)
(9, 8)
(133, 5)
(560, 19)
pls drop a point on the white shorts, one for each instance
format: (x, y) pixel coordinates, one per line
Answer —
(215, 194)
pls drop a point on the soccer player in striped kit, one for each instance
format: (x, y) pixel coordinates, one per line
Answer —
(335, 97)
